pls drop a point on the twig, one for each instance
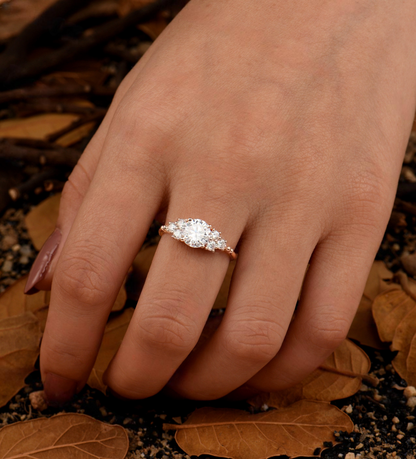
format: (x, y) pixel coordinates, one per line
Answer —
(18, 48)
(57, 91)
(405, 207)
(97, 116)
(59, 156)
(351, 374)
(122, 53)
(35, 182)
(99, 35)
(47, 106)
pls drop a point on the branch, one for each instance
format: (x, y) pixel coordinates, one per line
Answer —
(36, 181)
(99, 35)
(19, 46)
(59, 156)
(24, 94)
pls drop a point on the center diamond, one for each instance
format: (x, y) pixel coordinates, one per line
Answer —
(196, 233)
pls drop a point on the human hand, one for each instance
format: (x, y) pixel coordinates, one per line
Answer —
(283, 125)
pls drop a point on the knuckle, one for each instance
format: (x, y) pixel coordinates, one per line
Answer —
(254, 340)
(61, 351)
(84, 279)
(168, 328)
(327, 330)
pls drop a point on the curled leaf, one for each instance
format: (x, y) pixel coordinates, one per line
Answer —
(294, 431)
(65, 436)
(363, 328)
(404, 341)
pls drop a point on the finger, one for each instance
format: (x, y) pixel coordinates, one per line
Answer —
(330, 297)
(263, 295)
(174, 305)
(74, 191)
(100, 247)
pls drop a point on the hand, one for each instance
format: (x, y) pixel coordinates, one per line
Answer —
(281, 124)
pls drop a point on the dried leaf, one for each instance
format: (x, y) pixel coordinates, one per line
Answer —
(339, 377)
(14, 302)
(65, 436)
(404, 341)
(41, 221)
(36, 127)
(363, 328)
(113, 335)
(395, 316)
(17, 14)
(19, 349)
(389, 309)
(294, 431)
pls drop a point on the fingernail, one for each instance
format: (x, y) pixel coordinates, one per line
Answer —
(58, 389)
(42, 262)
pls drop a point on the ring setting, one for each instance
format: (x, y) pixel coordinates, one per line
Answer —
(198, 234)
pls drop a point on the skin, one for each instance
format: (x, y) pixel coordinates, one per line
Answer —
(283, 125)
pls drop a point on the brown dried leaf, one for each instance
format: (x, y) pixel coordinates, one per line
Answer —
(36, 127)
(14, 302)
(19, 349)
(389, 309)
(363, 328)
(339, 377)
(294, 431)
(65, 436)
(113, 335)
(16, 14)
(41, 221)
(404, 341)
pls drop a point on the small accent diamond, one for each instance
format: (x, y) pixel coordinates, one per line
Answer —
(215, 234)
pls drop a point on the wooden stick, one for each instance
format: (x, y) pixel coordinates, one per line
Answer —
(99, 35)
(35, 181)
(57, 91)
(19, 46)
(59, 156)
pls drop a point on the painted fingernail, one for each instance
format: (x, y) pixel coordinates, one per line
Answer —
(42, 262)
(58, 389)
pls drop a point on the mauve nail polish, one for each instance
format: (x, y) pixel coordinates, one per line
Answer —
(58, 389)
(41, 264)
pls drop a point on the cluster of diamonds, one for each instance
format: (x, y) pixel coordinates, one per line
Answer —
(196, 233)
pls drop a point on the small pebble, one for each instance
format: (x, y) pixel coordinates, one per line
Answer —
(38, 400)
(26, 250)
(348, 410)
(410, 426)
(7, 266)
(411, 402)
(409, 391)
(350, 456)
(395, 420)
